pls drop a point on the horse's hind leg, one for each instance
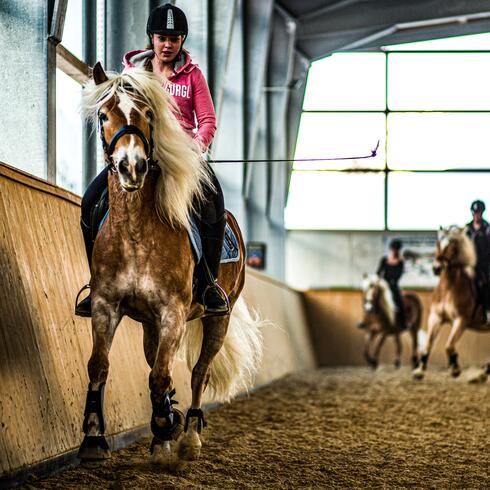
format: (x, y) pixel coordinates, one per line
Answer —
(214, 333)
(398, 346)
(166, 421)
(452, 355)
(367, 348)
(105, 320)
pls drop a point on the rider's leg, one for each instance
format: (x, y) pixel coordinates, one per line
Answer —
(401, 316)
(212, 226)
(90, 197)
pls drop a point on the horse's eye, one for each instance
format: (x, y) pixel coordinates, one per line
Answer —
(149, 115)
(102, 117)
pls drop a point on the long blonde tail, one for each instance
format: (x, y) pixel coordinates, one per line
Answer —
(234, 367)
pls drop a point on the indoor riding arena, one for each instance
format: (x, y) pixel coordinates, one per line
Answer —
(330, 330)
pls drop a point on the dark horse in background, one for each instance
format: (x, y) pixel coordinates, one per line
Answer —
(380, 319)
(143, 267)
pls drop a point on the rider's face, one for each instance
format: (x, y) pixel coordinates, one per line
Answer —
(166, 47)
(477, 215)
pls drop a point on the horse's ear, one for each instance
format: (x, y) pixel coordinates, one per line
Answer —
(98, 74)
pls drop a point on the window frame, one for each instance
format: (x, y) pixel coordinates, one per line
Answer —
(387, 170)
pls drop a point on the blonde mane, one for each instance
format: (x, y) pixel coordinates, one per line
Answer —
(386, 301)
(183, 174)
(466, 249)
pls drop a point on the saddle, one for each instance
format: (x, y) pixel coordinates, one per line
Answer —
(230, 251)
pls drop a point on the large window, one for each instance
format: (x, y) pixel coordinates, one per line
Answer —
(428, 104)
(72, 71)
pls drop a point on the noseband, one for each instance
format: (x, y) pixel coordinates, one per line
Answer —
(127, 129)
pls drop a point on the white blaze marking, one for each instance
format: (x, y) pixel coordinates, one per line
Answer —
(132, 151)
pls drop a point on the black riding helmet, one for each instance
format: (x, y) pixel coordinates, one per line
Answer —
(396, 244)
(477, 206)
(167, 20)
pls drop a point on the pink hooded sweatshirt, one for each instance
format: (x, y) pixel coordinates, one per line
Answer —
(190, 91)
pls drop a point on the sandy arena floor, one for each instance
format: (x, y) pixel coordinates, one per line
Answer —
(331, 428)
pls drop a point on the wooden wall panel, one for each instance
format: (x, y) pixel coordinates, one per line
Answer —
(44, 348)
(334, 314)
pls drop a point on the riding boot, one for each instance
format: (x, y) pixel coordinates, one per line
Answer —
(213, 298)
(84, 308)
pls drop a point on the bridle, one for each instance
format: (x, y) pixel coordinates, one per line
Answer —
(123, 130)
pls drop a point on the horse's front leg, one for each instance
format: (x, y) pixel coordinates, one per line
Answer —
(214, 333)
(377, 350)
(452, 356)
(105, 320)
(435, 324)
(368, 340)
(166, 421)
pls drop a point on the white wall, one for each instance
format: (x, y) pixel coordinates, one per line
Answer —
(320, 259)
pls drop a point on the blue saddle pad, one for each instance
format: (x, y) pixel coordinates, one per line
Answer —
(229, 253)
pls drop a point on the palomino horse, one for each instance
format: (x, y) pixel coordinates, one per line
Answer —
(143, 267)
(379, 318)
(454, 300)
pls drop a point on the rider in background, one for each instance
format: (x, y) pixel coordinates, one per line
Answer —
(390, 269)
(478, 230)
(167, 30)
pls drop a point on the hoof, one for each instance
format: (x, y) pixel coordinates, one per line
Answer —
(397, 364)
(455, 372)
(161, 454)
(418, 374)
(479, 378)
(189, 446)
(94, 448)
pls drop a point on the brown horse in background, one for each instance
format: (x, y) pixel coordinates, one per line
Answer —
(379, 318)
(143, 267)
(454, 301)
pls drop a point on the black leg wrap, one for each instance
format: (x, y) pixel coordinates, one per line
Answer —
(173, 420)
(487, 368)
(424, 358)
(195, 412)
(94, 404)
(453, 359)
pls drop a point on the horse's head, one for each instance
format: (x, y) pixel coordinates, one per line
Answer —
(370, 296)
(125, 128)
(377, 298)
(453, 249)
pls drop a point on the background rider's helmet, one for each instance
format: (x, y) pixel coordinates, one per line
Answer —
(395, 244)
(167, 20)
(477, 206)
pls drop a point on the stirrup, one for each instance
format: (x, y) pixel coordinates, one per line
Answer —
(210, 311)
(77, 304)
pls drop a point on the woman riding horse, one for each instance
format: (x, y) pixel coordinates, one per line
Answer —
(167, 30)
(391, 269)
